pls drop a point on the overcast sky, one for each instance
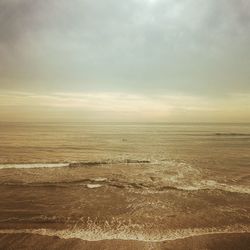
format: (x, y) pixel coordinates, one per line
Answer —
(133, 60)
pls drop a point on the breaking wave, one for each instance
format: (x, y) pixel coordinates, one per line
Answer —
(33, 165)
(151, 175)
(125, 233)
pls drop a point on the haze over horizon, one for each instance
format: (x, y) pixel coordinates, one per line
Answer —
(135, 60)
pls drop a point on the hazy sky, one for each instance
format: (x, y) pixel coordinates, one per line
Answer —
(133, 60)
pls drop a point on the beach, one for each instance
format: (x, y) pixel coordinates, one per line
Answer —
(134, 201)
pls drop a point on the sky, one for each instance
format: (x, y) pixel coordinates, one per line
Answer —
(133, 60)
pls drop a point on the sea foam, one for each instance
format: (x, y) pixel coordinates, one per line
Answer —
(34, 165)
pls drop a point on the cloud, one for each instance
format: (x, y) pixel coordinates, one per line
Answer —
(139, 46)
(122, 107)
(134, 60)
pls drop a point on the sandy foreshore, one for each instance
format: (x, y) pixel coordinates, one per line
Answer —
(212, 242)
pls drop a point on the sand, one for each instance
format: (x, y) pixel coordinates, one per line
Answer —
(38, 242)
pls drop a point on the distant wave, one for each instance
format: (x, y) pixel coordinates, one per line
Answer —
(232, 134)
(93, 163)
(125, 233)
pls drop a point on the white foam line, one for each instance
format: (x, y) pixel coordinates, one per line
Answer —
(94, 235)
(33, 165)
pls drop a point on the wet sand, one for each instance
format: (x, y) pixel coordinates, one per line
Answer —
(38, 242)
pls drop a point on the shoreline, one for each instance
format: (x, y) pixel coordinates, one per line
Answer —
(94, 235)
(213, 242)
